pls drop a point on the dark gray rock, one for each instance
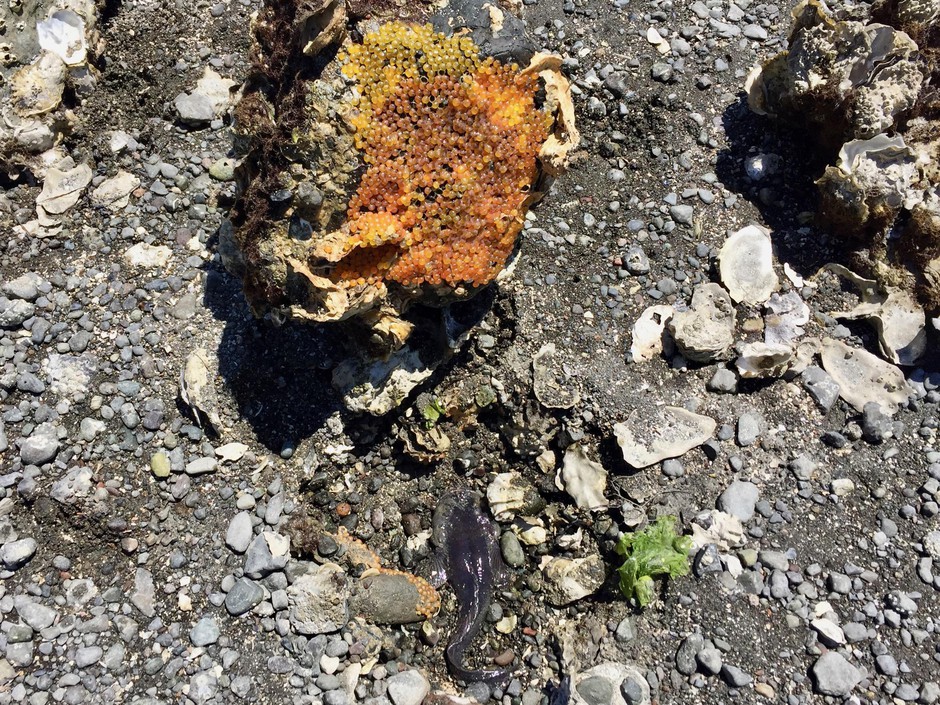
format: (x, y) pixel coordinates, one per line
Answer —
(821, 387)
(245, 595)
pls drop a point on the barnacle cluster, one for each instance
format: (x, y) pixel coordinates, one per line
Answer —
(450, 144)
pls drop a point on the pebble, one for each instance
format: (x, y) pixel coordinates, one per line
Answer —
(244, 596)
(833, 675)
(205, 632)
(15, 554)
(408, 688)
(240, 532)
(739, 500)
(681, 214)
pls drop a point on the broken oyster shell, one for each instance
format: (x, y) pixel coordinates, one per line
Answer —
(764, 360)
(583, 479)
(649, 334)
(863, 378)
(786, 315)
(705, 332)
(900, 322)
(552, 392)
(746, 265)
(648, 436)
(869, 184)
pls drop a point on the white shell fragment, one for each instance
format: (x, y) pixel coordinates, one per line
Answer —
(899, 320)
(657, 40)
(705, 332)
(784, 319)
(649, 334)
(231, 452)
(552, 390)
(746, 265)
(652, 435)
(62, 189)
(197, 389)
(114, 193)
(764, 360)
(506, 495)
(378, 387)
(150, 256)
(63, 34)
(582, 478)
(724, 530)
(864, 378)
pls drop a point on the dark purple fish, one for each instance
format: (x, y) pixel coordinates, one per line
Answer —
(470, 561)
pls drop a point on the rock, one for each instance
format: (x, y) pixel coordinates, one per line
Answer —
(610, 683)
(205, 631)
(750, 427)
(86, 656)
(735, 677)
(863, 378)
(149, 256)
(160, 465)
(239, 533)
(833, 675)
(709, 660)
(746, 265)
(842, 486)
(829, 632)
(143, 597)
(512, 550)
(681, 214)
(37, 616)
(268, 552)
(686, 653)
(705, 332)
(408, 688)
(223, 169)
(821, 387)
(244, 596)
(25, 286)
(14, 313)
(583, 479)
(386, 598)
(201, 466)
(595, 690)
(876, 425)
(15, 554)
(207, 101)
(724, 381)
(318, 601)
(739, 500)
(114, 193)
(569, 580)
(651, 436)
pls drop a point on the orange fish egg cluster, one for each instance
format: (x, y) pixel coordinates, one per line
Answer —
(450, 144)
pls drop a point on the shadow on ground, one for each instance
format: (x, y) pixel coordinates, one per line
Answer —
(784, 197)
(280, 377)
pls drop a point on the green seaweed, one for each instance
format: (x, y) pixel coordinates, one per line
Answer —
(655, 551)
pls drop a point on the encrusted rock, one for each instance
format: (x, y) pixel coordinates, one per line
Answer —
(705, 332)
(568, 580)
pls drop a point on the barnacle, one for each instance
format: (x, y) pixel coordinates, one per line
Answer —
(450, 144)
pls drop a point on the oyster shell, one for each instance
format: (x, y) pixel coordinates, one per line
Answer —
(746, 265)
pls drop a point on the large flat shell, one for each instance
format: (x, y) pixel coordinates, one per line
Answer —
(864, 378)
(37, 88)
(746, 265)
(62, 189)
(649, 436)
